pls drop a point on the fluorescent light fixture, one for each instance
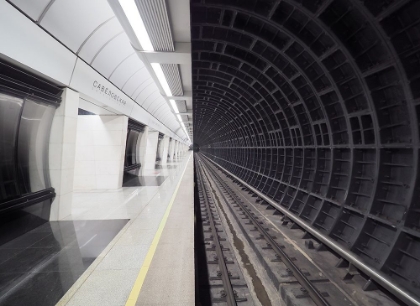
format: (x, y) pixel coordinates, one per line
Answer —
(133, 15)
(180, 119)
(185, 130)
(161, 77)
(174, 106)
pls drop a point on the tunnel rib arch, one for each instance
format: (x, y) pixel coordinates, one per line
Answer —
(315, 104)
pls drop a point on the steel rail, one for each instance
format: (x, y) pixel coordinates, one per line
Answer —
(230, 295)
(312, 291)
(379, 277)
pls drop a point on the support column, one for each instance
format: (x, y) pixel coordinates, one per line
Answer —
(171, 150)
(160, 150)
(142, 148)
(100, 150)
(149, 165)
(165, 145)
(62, 151)
(175, 149)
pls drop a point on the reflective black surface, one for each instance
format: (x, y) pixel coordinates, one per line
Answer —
(131, 148)
(165, 167)
(17, 222)
(34, 135)
(25, 188)
(10, 111)
(130, 180)
(40, 266)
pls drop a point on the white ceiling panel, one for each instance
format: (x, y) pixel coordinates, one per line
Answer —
(72, 21)
(160, 114)
(99, 38)
(148, 100)
(164, 112)
(160, 108)
(144, 79)
(145, 93)
(140, 77)
(157, 104)
(33, 8)
(112, 55)
(125, 69)
(141, 86)
(154, 106)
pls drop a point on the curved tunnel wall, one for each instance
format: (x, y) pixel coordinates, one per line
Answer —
(315, 103)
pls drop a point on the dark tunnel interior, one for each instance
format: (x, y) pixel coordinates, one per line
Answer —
(315, 103)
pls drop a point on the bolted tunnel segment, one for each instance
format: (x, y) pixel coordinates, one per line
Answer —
(315, 104)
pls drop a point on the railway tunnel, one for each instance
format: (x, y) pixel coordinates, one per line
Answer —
(209, 152)
(314, 104)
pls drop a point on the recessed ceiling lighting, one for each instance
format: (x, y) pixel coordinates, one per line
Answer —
(162, 79)
(174, 106)
(133, 15)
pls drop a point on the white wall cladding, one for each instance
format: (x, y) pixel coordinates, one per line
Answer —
(100, 148)
(72, 21)
(98, 38)
(90, 30)
(33, 8)
(112, 54)
(18, 34)
(128, 66)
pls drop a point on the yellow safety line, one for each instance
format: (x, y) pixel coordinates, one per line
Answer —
(138, 284)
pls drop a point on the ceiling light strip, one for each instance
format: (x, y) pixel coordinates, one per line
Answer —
(162, 79)
(171, 72)
(174, 106)
(156, 20)
(133, 15)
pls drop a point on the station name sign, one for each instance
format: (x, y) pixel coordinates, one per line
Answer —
(106, 91)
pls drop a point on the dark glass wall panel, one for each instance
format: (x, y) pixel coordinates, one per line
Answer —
(131, 156)
(158, 157)
(27, 106)
(34, 135)
(10, 111)
(18, 222)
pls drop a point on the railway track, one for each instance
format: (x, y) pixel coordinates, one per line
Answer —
(225, 282)
(230, 197)
(297, 279)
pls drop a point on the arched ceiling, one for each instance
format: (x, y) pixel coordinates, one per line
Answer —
(314, 65)
(91, 30)
(316, 104)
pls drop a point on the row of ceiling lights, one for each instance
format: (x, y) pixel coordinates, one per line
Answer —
(133, 15)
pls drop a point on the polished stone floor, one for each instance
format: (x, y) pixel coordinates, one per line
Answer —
(127, 202)
(40, 266)
(130, 180)
(112, 277)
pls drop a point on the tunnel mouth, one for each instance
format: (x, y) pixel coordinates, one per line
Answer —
(316, 104)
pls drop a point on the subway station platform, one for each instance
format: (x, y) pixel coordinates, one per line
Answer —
(132, 246)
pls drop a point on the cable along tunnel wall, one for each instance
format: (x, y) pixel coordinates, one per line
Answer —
(315, 104)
